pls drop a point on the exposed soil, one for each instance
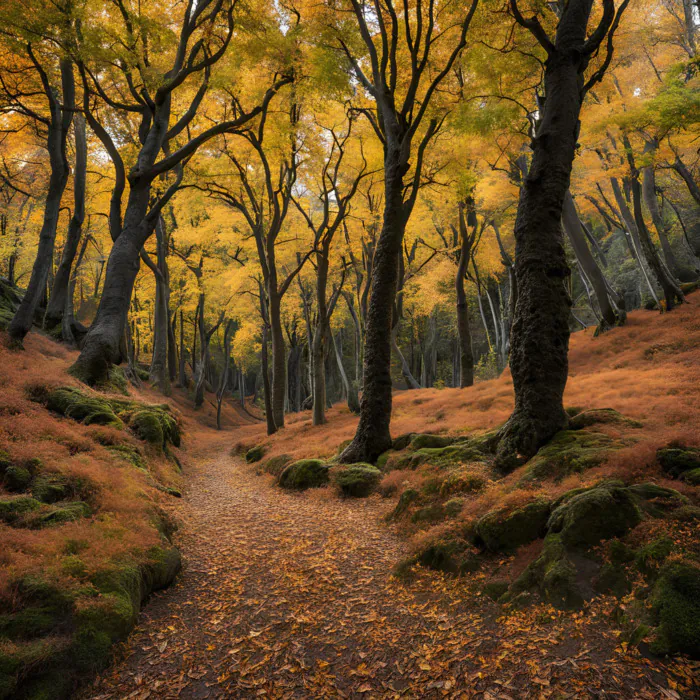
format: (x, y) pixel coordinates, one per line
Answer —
(291, 595)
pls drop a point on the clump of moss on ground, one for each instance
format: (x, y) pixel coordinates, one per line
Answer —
(305, 474)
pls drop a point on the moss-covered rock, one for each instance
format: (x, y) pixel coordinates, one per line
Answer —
(357, 480)
(675, 604)
(449, 555)
(686, 514)
(130, 454)
(594, 515)
(402, 441)
(656, 500)
(570, 452)
(692, 476)
(406, 499)
(10, 298)
(64, 513)
(653, 554)
(612, 578)
(5, 461)
(255, 454)
(675, 460)
(147, 426)
(49, 488)
(462, 481)
(23, 665)
(17, 478)
(552, 574)
(432, 513)
(448, 456)
(428, 440)
(305, 474)
(276, 464)
(505, 529)
(85, 408)
(597, 416)
(15, 510)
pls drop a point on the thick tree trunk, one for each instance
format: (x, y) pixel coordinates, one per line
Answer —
(172, 347)
(267, 389)
(182, 374)
(59, 291)
(224, 375)
(57, 133)
(68, 323)
(540, 331)
(101, 349)
(201, 373)
(373, 436)
(574, 229)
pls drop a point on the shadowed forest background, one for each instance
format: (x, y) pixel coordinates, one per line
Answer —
(309, 306)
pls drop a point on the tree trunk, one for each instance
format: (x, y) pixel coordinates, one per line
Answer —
(373, 436)
(279, 360)
(182, 374)
(267, 390)
(682, 169)
(318, 345)
(57, 133)
(652, 203)
(540, 331)
(59, 291)
(350, 388)
(577, 238)
(224, 375)
(68, 323)
(158, 373)
(466, 354)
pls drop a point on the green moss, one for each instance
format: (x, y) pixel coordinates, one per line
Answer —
(653, 554)
(406, 499)
(5, 461)
(446, 456)
(432, 513)
(17, 478)
(357, 480)
(86, 408)
(656, 500)
(402, 442)
(65, 513)
(15, 509)
(687, 514)
(255, 454)
(383, 459)
(570, 452)
(305, 474)
(676, 607)
(147, 426)
(453, 507)
(596, 416)
(552, 574)
(452, 556)
(130, 454)
(49, 488)
(462, 481)
(596, 514)
(117, 381)
(276, 464)
(692, 476)
(612, 578)
(619, 552)
(28, 660)
(675, 460)
(431, 441)
(504, 530)
(73, 565)
(30, 622)
(495, 589)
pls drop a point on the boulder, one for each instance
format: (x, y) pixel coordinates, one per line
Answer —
(357, 480)
(505, 529)
(675, 604)
(594, 515)
(305, 474)
(678, 459)
(255, 454)
(427, 440)
(585, 419)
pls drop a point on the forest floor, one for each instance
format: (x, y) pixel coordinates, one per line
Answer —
(292, 595)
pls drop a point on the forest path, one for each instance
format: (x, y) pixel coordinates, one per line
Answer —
(291, 595)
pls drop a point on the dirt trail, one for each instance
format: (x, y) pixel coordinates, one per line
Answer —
(291, 595)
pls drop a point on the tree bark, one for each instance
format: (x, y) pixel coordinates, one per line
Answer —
(159, 373)
(540, 331)
(466, 353)
(574, 229)
(59, 291)
(59, 124)
(373, 436)
(318, 349)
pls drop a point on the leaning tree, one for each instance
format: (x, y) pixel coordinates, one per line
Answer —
(144, 84)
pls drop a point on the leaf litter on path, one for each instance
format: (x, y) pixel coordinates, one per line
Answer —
(289, 595)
